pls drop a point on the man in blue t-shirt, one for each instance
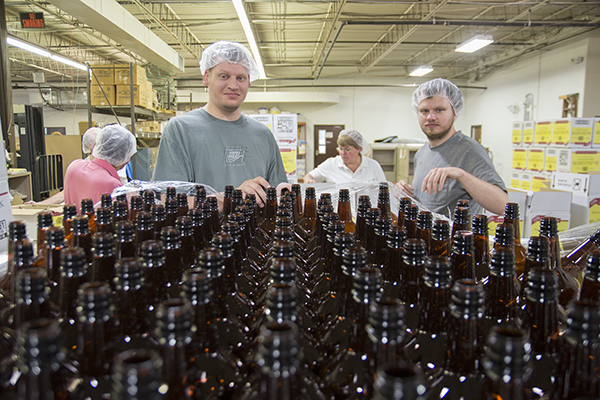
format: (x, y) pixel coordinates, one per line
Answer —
(452, 166)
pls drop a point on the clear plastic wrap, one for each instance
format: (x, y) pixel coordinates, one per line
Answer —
(571, 238)
(136, 187)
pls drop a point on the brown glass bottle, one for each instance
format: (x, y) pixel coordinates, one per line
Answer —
(344, 211)
(429, 352)
(17, 230)
(144, 230)
(402, 206)
(424, 229)
(411, 276)
(540, 321)
(124, 240)
(461, 378)
(148, 197)
(159, 220)
(69, 212)
(136, 375)
(393, 265)
(576, 259)
(197, 222)
(364, 204)
(370, 223)
(171, 211)
(182, 204)
(119, 212)
(410, 220)
(32, 296)
(297, 191)
(106, 200)
(538, 256)
(82, 237)
(44, 222)
(481, 246)
(103, 264)
(462, 221)
(463, 262)
(130, 301)
(383, 202)
(136, 205)
(378, 255)
(104, 220)
(87, 210)
(399, 381)
(569, 287)
(55, 242)
(506, 364)
(590, 288)
(227, 201)
(23, 257)
(199, 196)
(214, 212)
(511, 216)
(502, 288)
(173, 257)
(155, 275)
(440, 238)
(268, 224)
(95, 325)
(580, 352)
(73, 273)
(41, 360)
(188, 244)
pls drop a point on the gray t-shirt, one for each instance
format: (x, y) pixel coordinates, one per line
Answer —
(458, 151)
(197, 147)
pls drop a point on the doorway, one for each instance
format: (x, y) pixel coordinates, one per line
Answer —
(476, 132)
(325, 142)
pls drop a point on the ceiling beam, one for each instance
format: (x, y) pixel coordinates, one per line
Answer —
(327, 29)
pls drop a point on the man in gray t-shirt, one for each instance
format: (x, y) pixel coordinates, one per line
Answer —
(452, 166)
(217, 145)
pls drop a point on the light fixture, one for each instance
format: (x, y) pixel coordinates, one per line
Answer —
(241, 12)
(474, 44)
(421, 70)
(44, 53)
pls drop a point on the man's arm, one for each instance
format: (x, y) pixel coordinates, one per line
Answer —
(489, 196)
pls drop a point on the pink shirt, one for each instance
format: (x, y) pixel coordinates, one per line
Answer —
(89, 179)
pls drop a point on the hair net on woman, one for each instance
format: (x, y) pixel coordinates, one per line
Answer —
(89, 139)
(115, 145)
(357, 137)
(438, 87)
(229, 52)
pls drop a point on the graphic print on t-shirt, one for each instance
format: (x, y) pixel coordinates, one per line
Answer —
(235, 156)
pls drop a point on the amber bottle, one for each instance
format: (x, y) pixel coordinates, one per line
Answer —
(297, 191)
(197, 221)
(507, 364)
(171, 211)
(502, 288)
(440, 238)
(462, 221)
(44, 222)
(73, 273)
(214, 212)
(106, 200)
(580, 352)
(152, 254)
(23, 257)
(55, 242)
(227, 200)
(402, 206)
(463, 261)
(124, 240)
(344, 211)
(95, 325)
(410, 220)
(188, 244)
(590, 288)
(430, 349)
(383, 202)
(182, 204)
(481, 246)
(370, 223)
(199, 196)
(148, 199)
(144, 230)
(159, 219)
(378, 255)
(130, 299)
(411, 277)
(173, 256)
(82, 237)
(41, 360)
(511, 216)
(32, 296)
(103, 264)
(424, 229)
(364, 204)
(136, 205)
(393, 265)
(538, 256)
(268, 224)
(461, 378)
(104, 220)
(17, 230)
(576, 259)
(540, 321)
(136, 375)
(399, 381)
(69, 212)
(119, 212)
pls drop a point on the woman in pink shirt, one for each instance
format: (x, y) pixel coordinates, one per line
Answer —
(114, 148)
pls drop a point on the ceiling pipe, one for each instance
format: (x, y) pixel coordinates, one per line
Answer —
(442, 22)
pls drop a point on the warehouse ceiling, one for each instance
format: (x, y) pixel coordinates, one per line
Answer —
(311, 40)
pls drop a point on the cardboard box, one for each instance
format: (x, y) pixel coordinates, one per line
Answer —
(540, 182)
(543, 133)
(519, 159)
(572, 132)
(584, 161)
(150, 126)
(122, 75)
(98, 97)
(103, 74)
(535, 159)
(140, 97)
(552, 203)
(514, 196)
(517, 133)
(557, 159)
(83, 126)
(528, 132)
(585, 206)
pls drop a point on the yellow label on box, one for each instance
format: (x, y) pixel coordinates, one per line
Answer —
(525, 184)
(583, 162)
(543, 132)
(597, 132)
(581, 135)
(550, 164)
(516, 136)
(535, 160)
(515, 183)
(594, 214)
(538, 183)
(493, 222)
(527, 136)
(519, 159)
(560, 132)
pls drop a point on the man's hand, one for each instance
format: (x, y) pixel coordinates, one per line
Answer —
(309, 179)
(256, 186)
(405, 187)
(437, 177)
(283, 185)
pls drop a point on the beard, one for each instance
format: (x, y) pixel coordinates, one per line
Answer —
(437, 135)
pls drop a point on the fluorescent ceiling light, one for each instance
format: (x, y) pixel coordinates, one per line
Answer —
(421, 70)
(241, 12)
(27, 47)
(474, 44)
(44, 53)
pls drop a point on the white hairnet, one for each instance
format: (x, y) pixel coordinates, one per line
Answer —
(115, 145)
(357, 137)
(438, 87)
(89, 139)
(230, 52)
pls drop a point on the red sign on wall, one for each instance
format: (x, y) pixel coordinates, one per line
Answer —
(32, 20)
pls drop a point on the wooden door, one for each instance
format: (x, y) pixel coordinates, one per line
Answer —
(325, 142)
(476, 132)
